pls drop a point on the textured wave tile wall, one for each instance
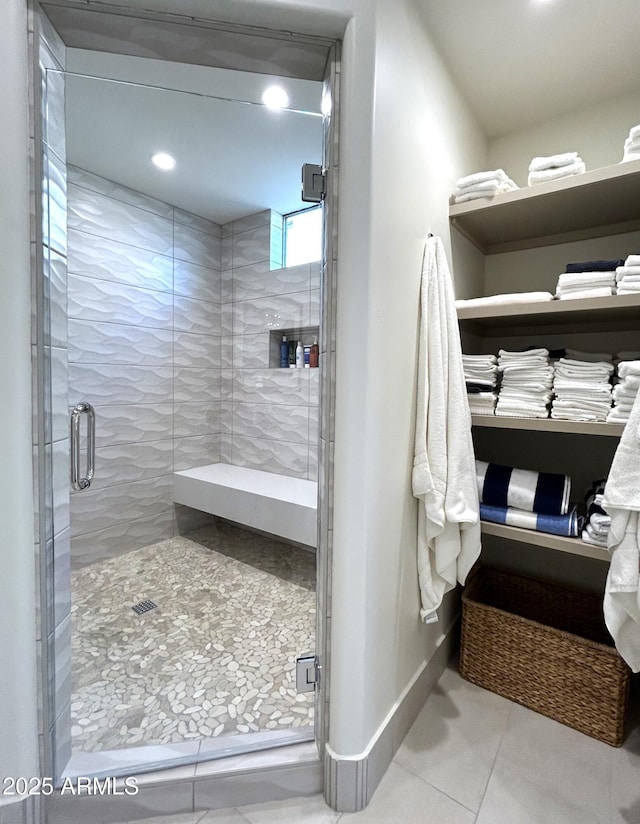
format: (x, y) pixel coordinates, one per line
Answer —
(144, 349)
(269, 416)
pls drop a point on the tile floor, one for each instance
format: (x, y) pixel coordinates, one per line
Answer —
(473, 757)
(217, 655)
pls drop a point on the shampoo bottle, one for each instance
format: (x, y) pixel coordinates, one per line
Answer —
(314, 354)
(284, 353)
(299, 356)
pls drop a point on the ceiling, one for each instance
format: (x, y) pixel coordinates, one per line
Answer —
(232, 158)
(519, 62)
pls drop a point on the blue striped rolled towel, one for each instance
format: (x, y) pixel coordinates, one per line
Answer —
(568, 525)
(526, 489)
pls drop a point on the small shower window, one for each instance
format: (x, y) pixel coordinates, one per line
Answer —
(303, 236)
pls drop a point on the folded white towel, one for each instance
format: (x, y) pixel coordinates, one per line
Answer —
(596, 292)
(624, 408)
(484, 185)
(632, 260)
(616, 416)
(538, 164)
(556, 174)
(590, 406)
(523, 353)
(628, 387)
(589, 537)
(497, 300)
(533, 361)
(476, 375)
(634, 132)
(628, 269)
(481, 177)
(630, 290)
(523, 373)
(579, 278)
(528, 412)
(626, 397)
(632, 144)
(480, 371)
(630, 156)
(628, 368)
(523, 393)
(475, 194)
(596, 376)
(479, 359)
(577, 414)
(584, 366)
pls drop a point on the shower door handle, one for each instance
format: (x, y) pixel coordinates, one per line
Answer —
(78, 482)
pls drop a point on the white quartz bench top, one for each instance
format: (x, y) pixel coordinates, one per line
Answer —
(277, 504)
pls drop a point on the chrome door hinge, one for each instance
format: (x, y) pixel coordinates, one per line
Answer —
(314, 183)
(307, 673)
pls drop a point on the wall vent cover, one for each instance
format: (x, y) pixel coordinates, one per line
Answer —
(143, 606)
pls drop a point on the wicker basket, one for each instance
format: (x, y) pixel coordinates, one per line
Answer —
(546, 646)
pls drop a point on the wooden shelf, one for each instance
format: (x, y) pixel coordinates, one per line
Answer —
(601, 202)
(573, 546)
(613, 430)
(520, 318)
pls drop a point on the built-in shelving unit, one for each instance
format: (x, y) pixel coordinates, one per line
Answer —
(574, 546)
(612, 430)
(599, 203)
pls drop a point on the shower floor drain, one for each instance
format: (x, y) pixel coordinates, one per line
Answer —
(143, 606)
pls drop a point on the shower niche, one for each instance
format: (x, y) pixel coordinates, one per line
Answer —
(306, 336)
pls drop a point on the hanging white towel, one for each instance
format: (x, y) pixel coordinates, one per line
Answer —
(444, 473)
(622, 503)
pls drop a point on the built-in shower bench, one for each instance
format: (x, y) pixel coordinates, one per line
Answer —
(277, 504)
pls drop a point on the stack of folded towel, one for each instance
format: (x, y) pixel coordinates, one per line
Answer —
(526, 383)
(628, 275)
(481, 377)
(483, 184)
(596, 527)
(528, 499)
(588, 279)
(632, 145)
(582, 390)
(625, 391)
(555, 167)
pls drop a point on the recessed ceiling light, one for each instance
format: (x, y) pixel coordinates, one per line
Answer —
(163, 161)
(275, 97)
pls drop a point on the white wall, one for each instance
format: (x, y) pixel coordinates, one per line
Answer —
(596, 133)
(422, 137)
(18, 725)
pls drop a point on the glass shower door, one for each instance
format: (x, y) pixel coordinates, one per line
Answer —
(183, 629)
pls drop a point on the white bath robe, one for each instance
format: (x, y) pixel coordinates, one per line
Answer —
(622, 502)
(444, 474)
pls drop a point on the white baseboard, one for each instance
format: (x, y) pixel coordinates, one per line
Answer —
(351, 781)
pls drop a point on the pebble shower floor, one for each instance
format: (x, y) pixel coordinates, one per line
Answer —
(215, 656)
